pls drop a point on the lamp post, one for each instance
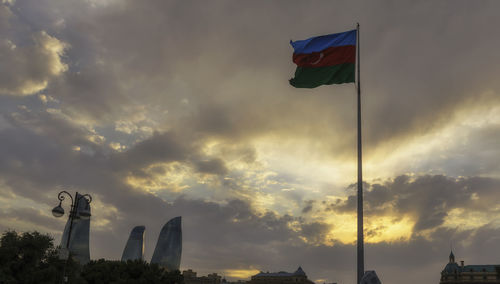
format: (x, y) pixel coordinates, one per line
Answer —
(74, 213)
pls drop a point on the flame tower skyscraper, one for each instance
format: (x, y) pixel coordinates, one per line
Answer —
(169, 246)
(134, 249)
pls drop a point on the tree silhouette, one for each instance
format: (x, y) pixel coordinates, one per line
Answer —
(137, 271)
(31, 257)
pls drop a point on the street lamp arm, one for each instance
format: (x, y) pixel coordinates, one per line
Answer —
(61, 197)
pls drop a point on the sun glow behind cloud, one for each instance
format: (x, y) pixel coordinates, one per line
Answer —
(170, 177)
(273, 173)
(241, 273)
(377, 229)
(299, 158)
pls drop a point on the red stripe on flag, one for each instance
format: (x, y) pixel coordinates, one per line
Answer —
(327, 57)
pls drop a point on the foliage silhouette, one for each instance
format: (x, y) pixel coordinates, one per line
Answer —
(119, 272)
(31, 258)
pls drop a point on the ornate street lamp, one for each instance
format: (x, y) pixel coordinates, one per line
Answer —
(74, 213)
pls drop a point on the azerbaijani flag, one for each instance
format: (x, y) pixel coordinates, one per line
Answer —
(324, 60)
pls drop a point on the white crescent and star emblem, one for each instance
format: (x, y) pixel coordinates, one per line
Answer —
(321, 55)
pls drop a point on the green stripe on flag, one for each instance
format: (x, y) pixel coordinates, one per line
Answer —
(312, 77)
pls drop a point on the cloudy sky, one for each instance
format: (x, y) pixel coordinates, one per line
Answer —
(166, 108)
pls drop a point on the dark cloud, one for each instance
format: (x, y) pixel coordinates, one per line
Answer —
(308, 206)
(55, 126)
(213, 166)
(315, 232)
(29, 69)
(41, 219)
(91, 91)
(163, 66)
(161, 147)
(31, 60)
(120, 37)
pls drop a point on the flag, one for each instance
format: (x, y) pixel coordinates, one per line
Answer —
(324, 60)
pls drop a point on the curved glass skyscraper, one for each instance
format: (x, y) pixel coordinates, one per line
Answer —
(79, 241)
(134, 249)
(169, 246)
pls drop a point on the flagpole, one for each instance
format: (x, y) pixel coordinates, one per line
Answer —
(361, 255)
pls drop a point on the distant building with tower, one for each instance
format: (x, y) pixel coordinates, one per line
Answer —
(282, 277)
(454, 273)
(191, 278)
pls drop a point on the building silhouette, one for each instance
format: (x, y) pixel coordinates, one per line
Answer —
(134, 249)
(299, 276)
(191, 278)
(370, 277)
(453, 273)
(79, 240)
(168, 249)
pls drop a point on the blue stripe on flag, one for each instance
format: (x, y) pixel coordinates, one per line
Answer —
(319, 43)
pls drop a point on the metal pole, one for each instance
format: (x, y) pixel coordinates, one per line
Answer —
(361, 255)
(72, 214)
